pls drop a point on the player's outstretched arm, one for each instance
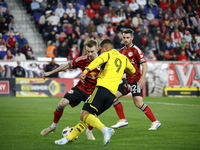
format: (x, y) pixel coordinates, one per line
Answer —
(60, 68)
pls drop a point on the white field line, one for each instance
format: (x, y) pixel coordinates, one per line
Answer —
(161, 103)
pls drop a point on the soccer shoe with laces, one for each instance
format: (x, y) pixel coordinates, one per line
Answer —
(107, 133)
(89, 134)
(120, 123)
(155, 125)
(62, 141)
(47, 131)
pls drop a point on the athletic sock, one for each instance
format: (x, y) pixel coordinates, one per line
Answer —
(90, 127)
(57, 115)
(78, 129)
(93, 121)
(119, 109)
(147, 110)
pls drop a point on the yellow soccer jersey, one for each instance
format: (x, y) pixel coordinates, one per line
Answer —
(113, 65)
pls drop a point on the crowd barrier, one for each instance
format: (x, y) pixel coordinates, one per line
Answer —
(163, 79)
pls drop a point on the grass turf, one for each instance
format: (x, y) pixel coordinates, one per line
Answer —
(22, 119)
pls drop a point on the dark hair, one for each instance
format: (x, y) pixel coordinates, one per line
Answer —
(91, 43)
(106, 41)
(130, 31)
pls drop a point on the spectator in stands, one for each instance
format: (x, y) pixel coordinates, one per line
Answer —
(117, 40)
(182, 56)
(196, 22)
(15, 48)
(176, 35)
(43, 5)
(152, 28)
(116, 4)
(42, 21)
(19, 71)
(160, 46)
(52, 66)
(134, 6)
(122, 14)
(51, 37)
(110, 29)
(95, 4)
(13, 27)
(150, 15)
(161, 56)
(74, 52)
(47, 30)
(190, 11)
(64, 19)
(136, 19)
(63, 50)
(141, 2)
(58, 28)
(51, 50)
(81, 11)
(11, 40)
(53, 19)
(8, 16)
(20, 56)
(101, 28)
(96, 19)
(177, 50)
(73, 19)
(68, 30)
(80, 25)
(91, 27)
(2, 44)
(164, 5)
(27, 51)
(173, 57)
(9, 56)
(193, 45)
(107, 18)
(150, 46)
(180, 12)
(142, 12)
(4, 26)
(35, 7)
(151, 56)
(59, 10)
(187, 21)
(3, 4)
(193, 56)
(85, 20)
(70, 11)
(89, 11)
(21, 40)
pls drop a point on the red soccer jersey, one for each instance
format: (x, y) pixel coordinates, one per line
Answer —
(91, 78)
(136, 57)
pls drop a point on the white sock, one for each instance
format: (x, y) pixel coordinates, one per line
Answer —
(54, 125)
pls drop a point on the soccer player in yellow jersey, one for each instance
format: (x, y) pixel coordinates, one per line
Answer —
(113, 65)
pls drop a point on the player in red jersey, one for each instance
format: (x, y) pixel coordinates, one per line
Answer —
(81, 91)
(136, 81)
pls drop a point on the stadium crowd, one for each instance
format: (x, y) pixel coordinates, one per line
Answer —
(13, 45)
(163, 29)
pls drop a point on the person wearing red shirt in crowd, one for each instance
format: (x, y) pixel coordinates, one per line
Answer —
(74, 52)
(27, 51)
(96, 5)
(174, 5)
(90, 12)
(182, 56)
(164, 5)
(9, 56)
(11, 40)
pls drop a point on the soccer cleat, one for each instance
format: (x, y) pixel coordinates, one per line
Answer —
(89, 134)
(107, 132)
(62, 141)
(155, 125)
(120, 123)
(47, 131)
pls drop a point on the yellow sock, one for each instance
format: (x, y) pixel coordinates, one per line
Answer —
(93, 121)
(78, 129)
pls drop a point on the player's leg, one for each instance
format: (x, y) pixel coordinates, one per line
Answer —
(138, 101)
(122, 90)
(57, 115)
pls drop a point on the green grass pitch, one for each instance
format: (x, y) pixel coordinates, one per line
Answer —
(22, 119)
